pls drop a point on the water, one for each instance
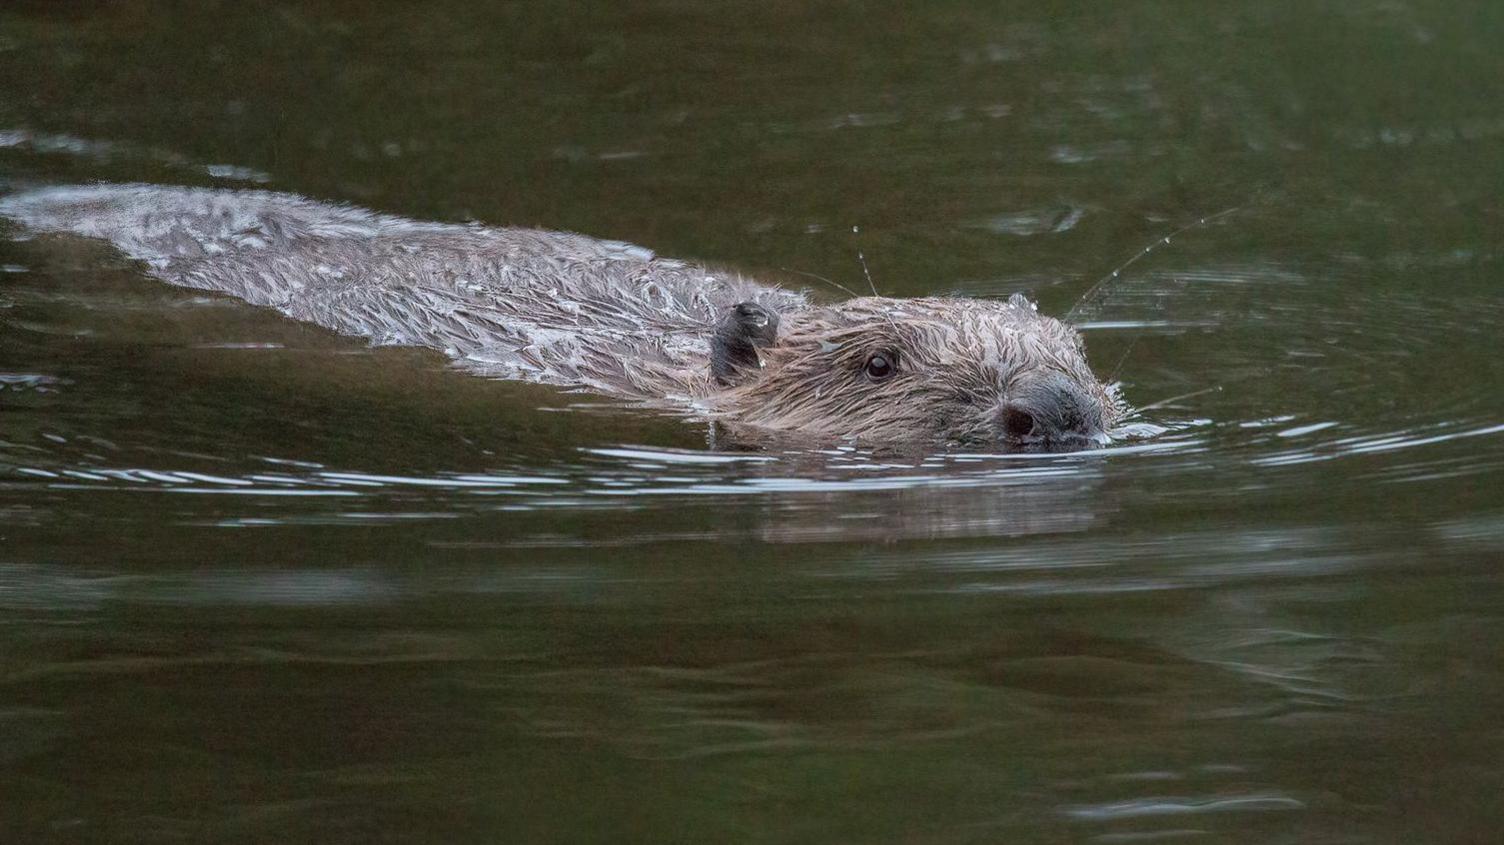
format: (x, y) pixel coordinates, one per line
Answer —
(258, 583)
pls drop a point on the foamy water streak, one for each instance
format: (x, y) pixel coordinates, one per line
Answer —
(53, 143)
(1181, 805)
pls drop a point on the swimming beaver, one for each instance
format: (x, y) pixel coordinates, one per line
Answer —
(610, 317)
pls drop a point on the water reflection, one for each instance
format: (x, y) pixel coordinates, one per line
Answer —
(944, 495)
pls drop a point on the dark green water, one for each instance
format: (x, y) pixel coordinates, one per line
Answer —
(262, 584)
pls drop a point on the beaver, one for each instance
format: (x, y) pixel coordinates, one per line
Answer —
(613, 318)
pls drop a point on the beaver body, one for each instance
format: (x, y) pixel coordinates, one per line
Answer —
(612, 318)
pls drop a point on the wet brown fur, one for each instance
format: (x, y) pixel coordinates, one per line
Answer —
(957, 361)
(582, 313)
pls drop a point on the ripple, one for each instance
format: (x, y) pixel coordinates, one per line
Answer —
(1177, 805)
(886, 496)
(664, 457)
(33, 382)
(55, 587)
(112, 151)
(1151, 836)
(1308, 364)
(1370, 444)
(1038, 221)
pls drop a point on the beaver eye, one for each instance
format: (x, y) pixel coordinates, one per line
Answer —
(881, 366)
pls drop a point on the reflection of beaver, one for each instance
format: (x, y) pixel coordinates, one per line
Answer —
(609, 317)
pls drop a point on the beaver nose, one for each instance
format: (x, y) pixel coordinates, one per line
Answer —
(1050, 413)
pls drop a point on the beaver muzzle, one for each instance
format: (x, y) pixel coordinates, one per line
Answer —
(1050, 413)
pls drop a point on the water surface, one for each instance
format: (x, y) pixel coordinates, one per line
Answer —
(259, 583)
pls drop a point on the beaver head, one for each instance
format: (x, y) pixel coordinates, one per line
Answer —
(964, 372)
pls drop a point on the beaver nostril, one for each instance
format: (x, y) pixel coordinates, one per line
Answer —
(1018, 423)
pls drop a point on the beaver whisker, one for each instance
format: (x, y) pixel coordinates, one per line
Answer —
(1091, 292)
(855, 230)
(837, 285)
(1122, 358)
(1165, 403)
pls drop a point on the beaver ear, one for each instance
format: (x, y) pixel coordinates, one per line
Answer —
(1022, 302)
(733, 346)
